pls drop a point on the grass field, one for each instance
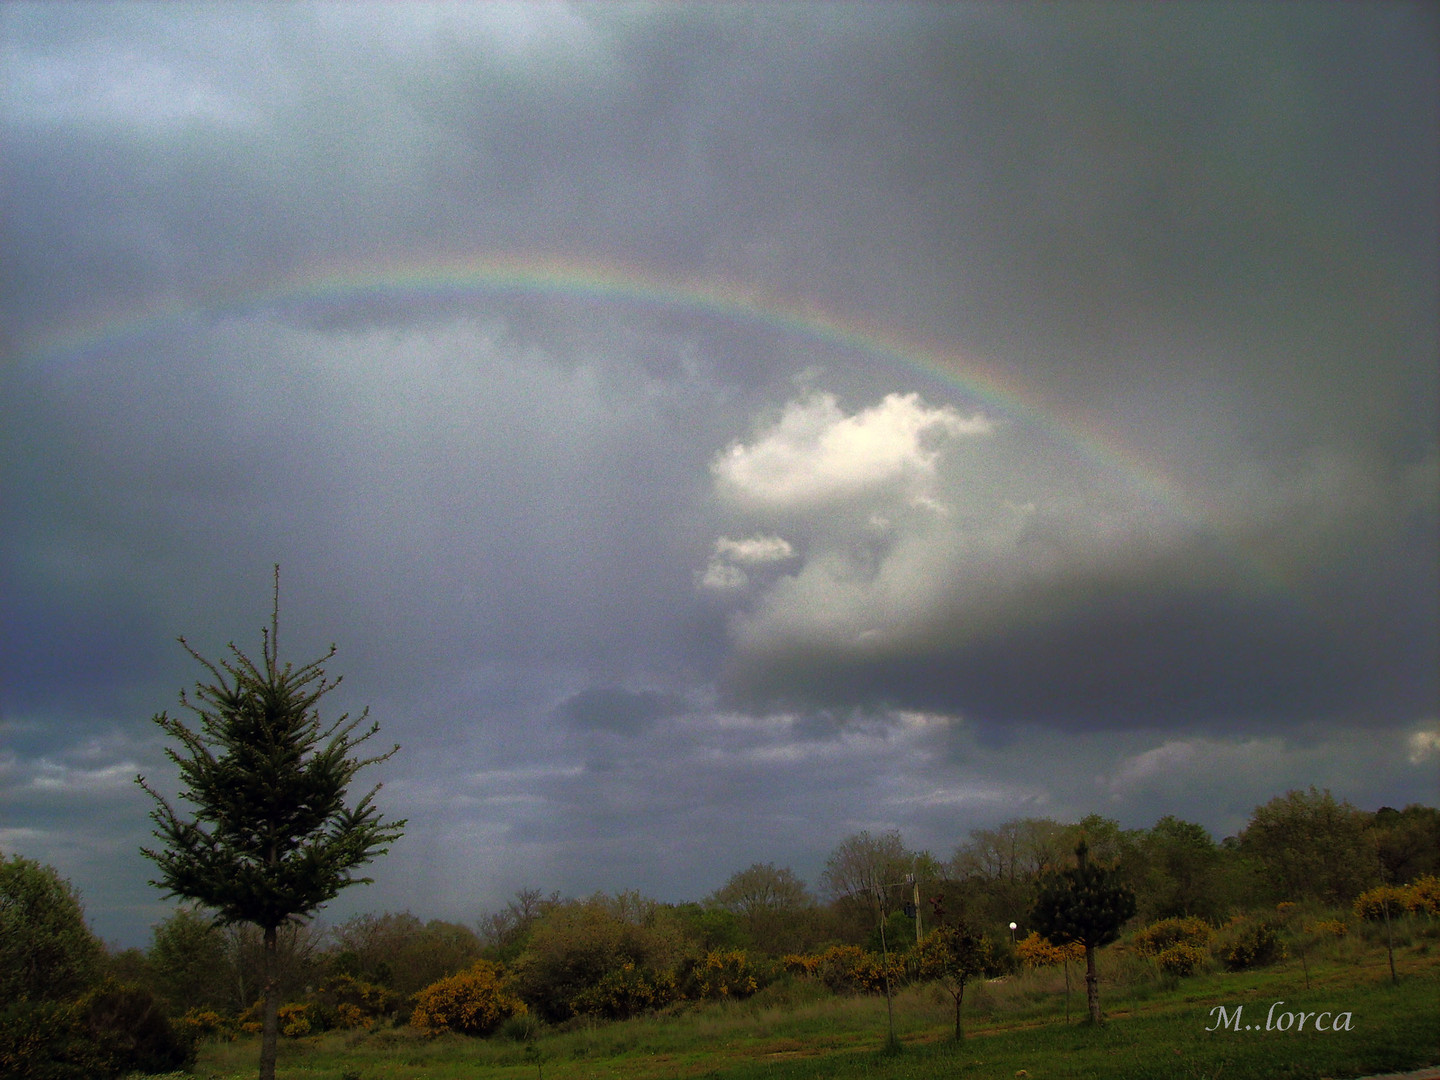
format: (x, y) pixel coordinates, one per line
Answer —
(1155, 1027)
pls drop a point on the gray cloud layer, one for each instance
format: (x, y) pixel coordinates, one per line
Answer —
(649, 591)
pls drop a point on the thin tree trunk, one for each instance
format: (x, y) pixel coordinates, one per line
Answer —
(959, 997)
(270, 1007)
(1389, 939)
(884, 971)
(1092, 985)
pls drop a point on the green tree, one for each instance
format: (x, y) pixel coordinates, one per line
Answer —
(583, 952)
(1183, 875)
(1407, 841)
(711, 928)
(1307, 844)
(504, 932)
(952, 955)
(994, 874)
(773, 904)
(272, 837)
(190, 963)
(1085, 904)
(46, 950)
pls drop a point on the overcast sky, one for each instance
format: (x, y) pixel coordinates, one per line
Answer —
(708, 431)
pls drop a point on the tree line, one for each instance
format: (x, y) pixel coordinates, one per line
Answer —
(614, 955)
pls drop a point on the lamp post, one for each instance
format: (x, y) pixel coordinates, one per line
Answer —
(1012, 933)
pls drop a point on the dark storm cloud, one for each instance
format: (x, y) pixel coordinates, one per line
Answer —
(613, 709)
(1130, 659)
(718, 590)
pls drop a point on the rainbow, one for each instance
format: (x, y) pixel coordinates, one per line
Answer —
(449, 280)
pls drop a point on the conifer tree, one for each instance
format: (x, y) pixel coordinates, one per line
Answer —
(1086, 904)
(272, 838)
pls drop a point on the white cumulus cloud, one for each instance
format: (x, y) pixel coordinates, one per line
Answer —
(816, 452)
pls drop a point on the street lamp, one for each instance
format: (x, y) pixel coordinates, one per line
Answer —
(1012, 933)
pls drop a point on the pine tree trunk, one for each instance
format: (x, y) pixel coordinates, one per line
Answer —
(1092, 985)
(270, 1007)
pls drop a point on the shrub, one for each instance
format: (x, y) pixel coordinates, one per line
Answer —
(346, 1002)
(805, 967)
(294, 1019)
(1371, 904)
(42, 1040)
(129, 1028)
(522, 1028)
(204, 1024)
(1164, 935)
(474, 1002)
(1252, 944)
(577, 946)
(1180, 960)
(1328, 928)
(720, 973)
(850, 969)
(1424, 896)
(1035, 951)
(846, 969)
(625, 992)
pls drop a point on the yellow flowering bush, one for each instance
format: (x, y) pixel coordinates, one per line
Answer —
(1037, 952)
(344, 1001)
(846, 969)
(294, 1020)
(1424, 896)
(1251, 943)
(1328, 927)
(1161, 936)
(806, 967)
(849, 968)
(721, 973)
(1370, 904)
(203, 1023)
(473, 1002)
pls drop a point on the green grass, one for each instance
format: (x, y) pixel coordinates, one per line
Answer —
(1155, 1027)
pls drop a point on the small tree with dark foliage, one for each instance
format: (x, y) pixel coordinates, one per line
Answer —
(1085, 904)
(952, 955)
(272, 837)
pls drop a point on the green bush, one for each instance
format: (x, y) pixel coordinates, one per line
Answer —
(1180, 960)
(602, 956)
(522, 1028)
(112, 1030)
(1252, 943)
(346, 1002)
(625, 992)
(131, 1031)
(42, 1040)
